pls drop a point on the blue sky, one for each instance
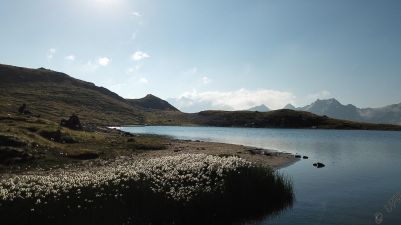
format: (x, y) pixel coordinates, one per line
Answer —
(226, 54)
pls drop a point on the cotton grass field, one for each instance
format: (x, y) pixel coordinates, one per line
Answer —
(181, 189)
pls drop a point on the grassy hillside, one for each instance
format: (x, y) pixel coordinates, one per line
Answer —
(54, 95)
(31, 141)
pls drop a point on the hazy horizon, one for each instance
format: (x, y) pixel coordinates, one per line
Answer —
(215, 55)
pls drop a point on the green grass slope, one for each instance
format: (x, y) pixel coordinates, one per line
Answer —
(55, 95)
(30, 141)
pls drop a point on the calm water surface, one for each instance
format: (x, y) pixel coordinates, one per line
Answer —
(362, 177)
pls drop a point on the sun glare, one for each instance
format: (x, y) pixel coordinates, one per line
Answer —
(107, 3)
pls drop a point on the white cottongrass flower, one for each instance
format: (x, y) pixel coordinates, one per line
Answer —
(179, 177)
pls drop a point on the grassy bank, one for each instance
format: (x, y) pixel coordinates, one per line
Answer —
(183, 189)
(27, 142)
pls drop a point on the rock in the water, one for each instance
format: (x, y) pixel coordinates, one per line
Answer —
(298, 156)
(318, 165)
(305, 157)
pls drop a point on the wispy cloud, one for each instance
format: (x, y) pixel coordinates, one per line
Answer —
(319, 95)
(138, 17)
(136, 14)
(90, 66)
(103, 61)
(198, 74)
(93, 65)
(206, 80)
(50, 53)
(70, 57)
(232, 100)
(139, 55)
(134, 69)
(193, 70)
(143, 80)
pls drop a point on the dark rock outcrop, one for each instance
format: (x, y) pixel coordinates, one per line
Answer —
(73, 123)
(57, 136)
(23, 110)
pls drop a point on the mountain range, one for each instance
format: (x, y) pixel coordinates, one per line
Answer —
(54, 95)
(333, 108)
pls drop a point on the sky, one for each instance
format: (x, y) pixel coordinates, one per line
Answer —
(226, 54)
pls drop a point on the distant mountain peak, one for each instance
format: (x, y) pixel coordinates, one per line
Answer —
(290, 106)
(333, 108)
(152, 102)
(260, 108)
(328, 101)
(390, 114)
(149, 96)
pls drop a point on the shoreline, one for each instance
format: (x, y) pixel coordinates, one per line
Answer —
(265, 157)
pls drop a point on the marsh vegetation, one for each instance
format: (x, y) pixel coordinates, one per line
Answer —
(181, 189)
